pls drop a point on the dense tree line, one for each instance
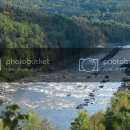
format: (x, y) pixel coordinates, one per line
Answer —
(90, 9)
(58, 31)
(30, 30)
(113, 32)
(19, 35)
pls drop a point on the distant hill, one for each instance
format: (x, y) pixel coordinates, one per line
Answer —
(57, 31)
(117, 10)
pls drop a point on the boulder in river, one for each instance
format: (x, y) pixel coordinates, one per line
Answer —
(92, 98)
(79, 106)
(101, 86)
(69, 94)
(91, 95)
(80, 86)
(86, 100)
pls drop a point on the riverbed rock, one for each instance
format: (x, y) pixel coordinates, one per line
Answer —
(79, 106)
(68, 95)
(80, 86)
(91, 95)
(87, 100)
(124, 88)
(101, 86)
(104, 81)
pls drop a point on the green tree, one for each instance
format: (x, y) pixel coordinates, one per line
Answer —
(118, 114)
(12, 117)
(35, 123)
(81, 122)
(97, 121)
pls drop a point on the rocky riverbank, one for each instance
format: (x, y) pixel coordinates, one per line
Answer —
(124, 87)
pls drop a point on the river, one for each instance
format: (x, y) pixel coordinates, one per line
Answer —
(60, 101)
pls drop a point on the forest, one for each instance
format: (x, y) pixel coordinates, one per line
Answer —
(89, 9)
(23, 28)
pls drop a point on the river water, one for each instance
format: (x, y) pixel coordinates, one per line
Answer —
(58, 101)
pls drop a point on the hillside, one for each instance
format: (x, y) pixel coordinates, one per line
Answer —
(90, 9)
(49, 30)
(23, 30)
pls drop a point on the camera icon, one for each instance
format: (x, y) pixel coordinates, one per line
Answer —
(88, 65)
